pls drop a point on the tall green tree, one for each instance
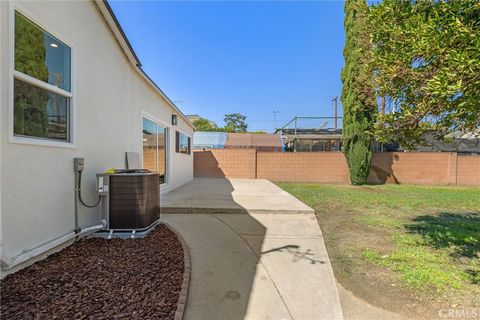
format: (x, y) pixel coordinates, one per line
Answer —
(205, 125)
(235, 122)
(358, 96)
(426, 62)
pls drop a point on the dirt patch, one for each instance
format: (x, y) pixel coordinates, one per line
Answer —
(345, 239)
(100, 279)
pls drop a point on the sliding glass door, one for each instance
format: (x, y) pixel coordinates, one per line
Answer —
(155, 148)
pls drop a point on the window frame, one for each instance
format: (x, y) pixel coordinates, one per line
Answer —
(177, 143)
(157, 121)
(14, 74)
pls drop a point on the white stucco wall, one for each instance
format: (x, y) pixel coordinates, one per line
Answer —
(37, 199)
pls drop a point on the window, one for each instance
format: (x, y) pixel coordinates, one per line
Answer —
(155, 148)
(42, 83)
(182, 143)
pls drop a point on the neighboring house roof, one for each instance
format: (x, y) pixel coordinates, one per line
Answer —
(253, 140)
(127, 48)
(327, 134)
(454, 142)
(215, 140)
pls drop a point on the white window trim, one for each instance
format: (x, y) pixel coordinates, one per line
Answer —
(40, 84)
(168, 130)
(13, 74)
(191, 143)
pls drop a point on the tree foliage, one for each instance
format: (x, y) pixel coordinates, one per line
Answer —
(235, 122)
(358, 97)
(426, 63)
(205, 125)
(31, 118)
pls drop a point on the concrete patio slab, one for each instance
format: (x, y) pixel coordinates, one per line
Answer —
(257, 266)
(226, 281)
(216, 195)
(285, 226)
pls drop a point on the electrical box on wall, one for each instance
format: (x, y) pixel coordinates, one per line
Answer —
(78, 164)
(103, 182)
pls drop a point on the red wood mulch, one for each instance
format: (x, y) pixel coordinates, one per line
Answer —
(100, 279)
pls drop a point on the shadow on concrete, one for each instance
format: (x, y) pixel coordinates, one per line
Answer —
(381, 170)
(297, 253)
(257, 252)
(202, 195)
(224, 268)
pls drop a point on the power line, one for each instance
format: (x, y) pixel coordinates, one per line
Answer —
(275, 119)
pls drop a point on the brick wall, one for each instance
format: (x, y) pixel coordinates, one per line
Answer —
(427, 168)
(302, 167)
(231, 163)
(330, 167)
(468, 170)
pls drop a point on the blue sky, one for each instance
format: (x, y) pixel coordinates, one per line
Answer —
(213, 58)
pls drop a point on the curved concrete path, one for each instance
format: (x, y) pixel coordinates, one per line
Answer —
(257, 266)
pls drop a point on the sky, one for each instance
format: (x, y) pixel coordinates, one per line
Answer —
(213, 58)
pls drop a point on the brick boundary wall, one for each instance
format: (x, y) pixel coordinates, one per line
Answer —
(468, 171)
(231, 163)
(302, 167)
(426, 168)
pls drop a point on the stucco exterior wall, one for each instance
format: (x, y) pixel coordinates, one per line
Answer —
(37, 199)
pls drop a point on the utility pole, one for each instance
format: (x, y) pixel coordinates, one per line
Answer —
(275, 120)
(335, 111)
(383, 105)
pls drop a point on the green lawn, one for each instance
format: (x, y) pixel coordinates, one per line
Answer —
(433, 232)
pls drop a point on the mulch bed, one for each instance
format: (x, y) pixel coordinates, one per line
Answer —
(100, 279)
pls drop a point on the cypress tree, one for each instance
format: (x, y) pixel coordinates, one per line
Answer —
(358, 97)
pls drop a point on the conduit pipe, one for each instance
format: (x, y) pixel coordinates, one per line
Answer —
(10, 262)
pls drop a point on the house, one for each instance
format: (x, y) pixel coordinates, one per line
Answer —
(72, 86)
(458, 141)
(231, 140)
(209, 140)
(312, 140)
(258, 141)
(312, 134)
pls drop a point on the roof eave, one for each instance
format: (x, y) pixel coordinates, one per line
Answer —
(132, 57)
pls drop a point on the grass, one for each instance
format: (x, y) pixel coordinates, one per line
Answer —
(434, 232)
(383, 198)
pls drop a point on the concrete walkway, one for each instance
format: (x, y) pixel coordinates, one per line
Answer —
(254, 266)
(214, 195)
